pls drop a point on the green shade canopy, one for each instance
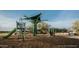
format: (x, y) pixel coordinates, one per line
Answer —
(34, 18)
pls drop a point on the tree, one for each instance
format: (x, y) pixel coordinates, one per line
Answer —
(76, 26)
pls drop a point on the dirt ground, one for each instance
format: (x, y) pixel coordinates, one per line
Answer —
(40, 41)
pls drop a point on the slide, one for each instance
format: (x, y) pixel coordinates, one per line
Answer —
(10, 33)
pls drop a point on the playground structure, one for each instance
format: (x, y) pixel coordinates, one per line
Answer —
(21, 28)
(35, 36)
(35, 20)
(57, 38)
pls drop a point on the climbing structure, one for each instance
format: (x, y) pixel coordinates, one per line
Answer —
(35, 20)
(20, 27)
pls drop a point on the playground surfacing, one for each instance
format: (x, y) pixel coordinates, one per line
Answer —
(40, 41)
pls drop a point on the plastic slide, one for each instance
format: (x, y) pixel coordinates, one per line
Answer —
(10, 33)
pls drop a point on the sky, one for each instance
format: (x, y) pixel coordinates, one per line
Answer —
(55, 18)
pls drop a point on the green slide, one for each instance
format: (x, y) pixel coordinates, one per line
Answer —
(10, 33)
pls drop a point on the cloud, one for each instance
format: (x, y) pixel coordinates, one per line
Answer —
(61, 23)
(64, 20)
(6, 23)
